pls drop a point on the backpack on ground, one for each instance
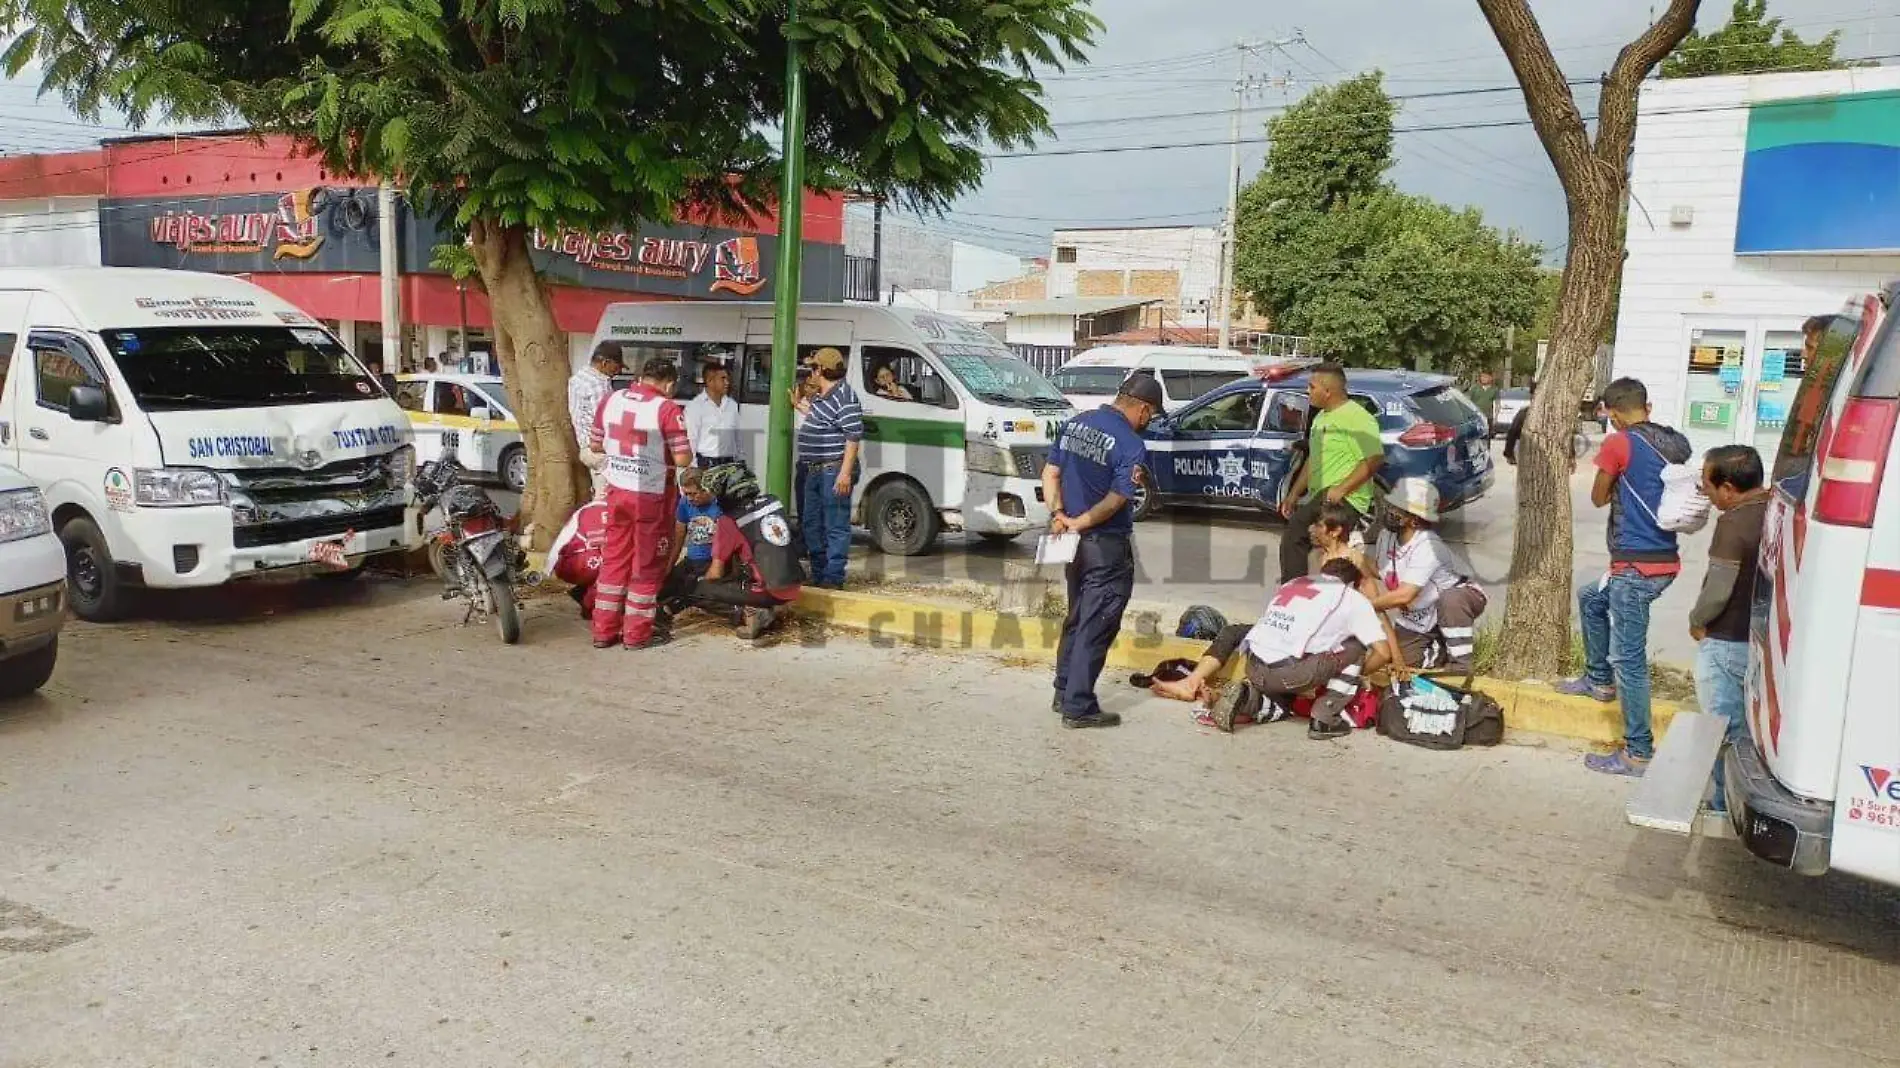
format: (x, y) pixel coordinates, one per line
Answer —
(1683, 508)
(1435, 715)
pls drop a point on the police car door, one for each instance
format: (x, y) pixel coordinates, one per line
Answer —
(1280, 447)
(1209, 456)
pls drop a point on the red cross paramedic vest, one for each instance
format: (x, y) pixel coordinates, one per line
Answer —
(634, 442)
(1298, 610)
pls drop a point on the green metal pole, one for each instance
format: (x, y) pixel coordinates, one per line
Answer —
(791, 237)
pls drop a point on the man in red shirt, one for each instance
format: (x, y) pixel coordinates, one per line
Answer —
(642, 433)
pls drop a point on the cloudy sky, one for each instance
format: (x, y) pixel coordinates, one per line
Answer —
(1163, 72)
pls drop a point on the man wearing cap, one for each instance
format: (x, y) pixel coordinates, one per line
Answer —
(1426, 586)
(712, 418)
(585, 390)
(828, 442)
(1089, 484)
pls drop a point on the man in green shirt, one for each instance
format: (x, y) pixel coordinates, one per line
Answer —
(1344, 453)
(1485, 396)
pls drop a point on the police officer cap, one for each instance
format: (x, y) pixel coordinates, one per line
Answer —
(1143, 387)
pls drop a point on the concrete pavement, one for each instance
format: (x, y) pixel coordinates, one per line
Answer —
(1229, 558)
(256, 833)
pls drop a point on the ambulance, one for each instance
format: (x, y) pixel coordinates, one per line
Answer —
(190, 429)
(1814, 785)
(959, 446)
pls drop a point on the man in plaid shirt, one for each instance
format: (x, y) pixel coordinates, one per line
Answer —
(585, 390)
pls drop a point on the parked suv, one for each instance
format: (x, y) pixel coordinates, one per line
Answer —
(32, 587)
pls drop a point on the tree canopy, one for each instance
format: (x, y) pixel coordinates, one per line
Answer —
(1751, 43)
(1372, 275)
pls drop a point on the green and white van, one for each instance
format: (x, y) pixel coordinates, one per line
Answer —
(964, 452)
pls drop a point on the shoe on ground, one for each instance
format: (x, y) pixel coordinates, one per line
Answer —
(1617, 763)
(1583, 687)
(1099, 719)
(606, 643)
(1222, 712)
(1324, 731)
(761, 621)
(654, 642)
(1055, 704)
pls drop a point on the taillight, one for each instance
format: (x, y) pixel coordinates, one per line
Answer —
(478, 524)
(1427, 435)
(1855, 461)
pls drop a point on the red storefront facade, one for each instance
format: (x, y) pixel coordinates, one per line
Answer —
(235, 205)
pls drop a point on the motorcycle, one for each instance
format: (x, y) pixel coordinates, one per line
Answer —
(474, 553)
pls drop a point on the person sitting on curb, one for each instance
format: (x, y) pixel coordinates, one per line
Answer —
(1319, 636)
(755, 567)
(1427, 587)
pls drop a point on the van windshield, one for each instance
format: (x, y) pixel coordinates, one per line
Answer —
(997, 376)
(178, 368)
(1090, 381)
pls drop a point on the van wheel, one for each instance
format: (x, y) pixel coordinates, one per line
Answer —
(92, 580)
(1147, 502)
(27, 673)
(902, 520)
(514, 468)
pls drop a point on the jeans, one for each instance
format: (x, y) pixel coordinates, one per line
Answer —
(1616, 634)
(1721, 681)
(826, 517)
(1101, 579)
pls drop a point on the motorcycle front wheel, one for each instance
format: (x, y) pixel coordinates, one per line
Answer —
(501, 597)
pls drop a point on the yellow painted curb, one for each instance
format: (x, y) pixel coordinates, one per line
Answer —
(889, 621)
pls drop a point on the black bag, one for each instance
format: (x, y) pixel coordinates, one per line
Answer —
(1477, 719)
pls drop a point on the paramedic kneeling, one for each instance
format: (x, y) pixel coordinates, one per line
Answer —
(1316, 632)
(755, 567)
(1089, 484)
(1434, 603)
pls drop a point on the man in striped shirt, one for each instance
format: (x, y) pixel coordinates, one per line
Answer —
(828, 444)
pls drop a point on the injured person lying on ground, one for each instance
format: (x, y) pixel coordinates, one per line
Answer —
(755, 571)
(1319, 637)
(1428, 588)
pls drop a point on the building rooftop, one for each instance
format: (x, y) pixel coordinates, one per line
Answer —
(1077, 305)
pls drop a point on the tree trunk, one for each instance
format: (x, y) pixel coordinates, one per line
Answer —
(1595, 178)
(532, 352)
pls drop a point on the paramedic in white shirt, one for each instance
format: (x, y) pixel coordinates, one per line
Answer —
(1426, 586)
(1318, 635)
(712, 418)
(586, 388)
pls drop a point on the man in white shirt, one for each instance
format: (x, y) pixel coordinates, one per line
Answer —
(1318, 635)
(712, 419)
(586, 389)
(1426, 586)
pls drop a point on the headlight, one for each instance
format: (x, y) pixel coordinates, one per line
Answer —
(176, 487)
(23, 515)
(400, 466)
(986, 459)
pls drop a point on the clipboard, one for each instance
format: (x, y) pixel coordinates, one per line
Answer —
(1056, 548)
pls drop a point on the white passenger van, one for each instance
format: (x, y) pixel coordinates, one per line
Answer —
(1815, 784)
(1186, 373)
(964, 452)
(188, 429)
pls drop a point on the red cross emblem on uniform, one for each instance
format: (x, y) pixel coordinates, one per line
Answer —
(624, 433)
(1300, 589)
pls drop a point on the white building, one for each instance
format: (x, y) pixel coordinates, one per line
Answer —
(1178, 266)
(1756, 202)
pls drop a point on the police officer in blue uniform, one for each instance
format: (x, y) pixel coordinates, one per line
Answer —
(1089, 485)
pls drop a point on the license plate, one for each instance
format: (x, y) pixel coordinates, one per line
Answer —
(36, 607)
(330, 553)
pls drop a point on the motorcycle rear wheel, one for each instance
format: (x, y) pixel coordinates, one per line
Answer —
(501, 597)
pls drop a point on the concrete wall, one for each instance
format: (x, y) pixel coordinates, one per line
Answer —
(1041, 330)
(1690, 143)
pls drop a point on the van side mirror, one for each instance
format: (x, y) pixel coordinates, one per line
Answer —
(89, 404)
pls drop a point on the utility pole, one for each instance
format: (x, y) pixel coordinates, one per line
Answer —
(791, 236)
(392, 283)
(1243, 85)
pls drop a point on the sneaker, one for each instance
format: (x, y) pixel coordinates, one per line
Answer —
(658, 639)
(1222, 712)
(1324, 731)
(1099, 719)
(1617, 763)
(761, 621)
(1583, 687)
(606, 643)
